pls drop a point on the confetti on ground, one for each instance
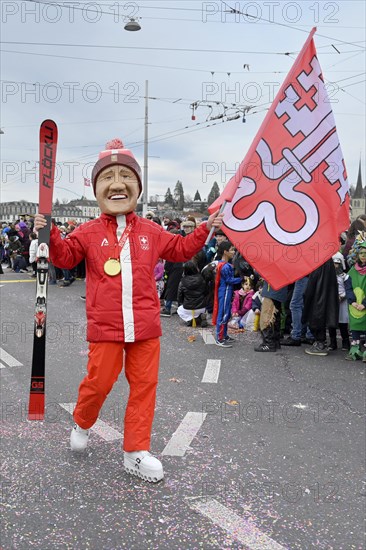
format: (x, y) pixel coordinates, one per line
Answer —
(243, 530)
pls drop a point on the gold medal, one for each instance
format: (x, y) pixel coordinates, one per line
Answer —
(112, 267)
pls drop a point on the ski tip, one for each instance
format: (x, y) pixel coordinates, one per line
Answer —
(49, 122)
(36, 407)
(35, 416)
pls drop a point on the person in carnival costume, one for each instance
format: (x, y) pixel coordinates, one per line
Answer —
(224, 288)
(122, 305)
(355, 286)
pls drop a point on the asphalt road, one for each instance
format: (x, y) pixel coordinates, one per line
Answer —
(260, 450)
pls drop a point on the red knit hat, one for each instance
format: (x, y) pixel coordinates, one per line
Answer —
(115, 153)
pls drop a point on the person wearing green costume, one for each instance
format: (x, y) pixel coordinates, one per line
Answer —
(356, 298)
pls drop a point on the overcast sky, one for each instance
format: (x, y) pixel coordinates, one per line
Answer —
(74, 62)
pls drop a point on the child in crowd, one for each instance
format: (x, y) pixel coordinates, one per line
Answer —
(224, 287)
(159, 275)
(340, 266)
(192, 296)
(242, 303)
(356, 297)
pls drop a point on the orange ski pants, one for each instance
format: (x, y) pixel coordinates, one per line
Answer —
(141, 362)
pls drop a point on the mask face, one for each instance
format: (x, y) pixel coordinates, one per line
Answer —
(117, 190)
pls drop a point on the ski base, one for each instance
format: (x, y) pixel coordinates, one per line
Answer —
(36, 403)
(47, 163)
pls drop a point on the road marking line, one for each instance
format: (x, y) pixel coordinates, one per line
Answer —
(208, 337)
(212, 371)
(241, 529)
(101, 428)
(19, 281)
(7, 358)
(185, 433)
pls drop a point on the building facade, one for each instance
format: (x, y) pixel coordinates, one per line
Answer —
(89, 208)
(79, 210)
(14, 210)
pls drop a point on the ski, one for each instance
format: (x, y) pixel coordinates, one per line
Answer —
(47, 163)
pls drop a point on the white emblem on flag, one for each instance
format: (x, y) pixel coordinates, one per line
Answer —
(144, 242)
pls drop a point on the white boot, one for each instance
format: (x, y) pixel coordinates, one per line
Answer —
(79, 439)
(144, 465)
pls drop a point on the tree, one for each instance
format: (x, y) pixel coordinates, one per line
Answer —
(169, 197)
(213, 194)
(179, 195)
(197, 196)
(57, 202)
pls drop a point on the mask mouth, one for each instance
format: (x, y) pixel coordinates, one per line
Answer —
(117, 197)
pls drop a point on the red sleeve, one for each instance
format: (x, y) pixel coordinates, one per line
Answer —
(176, 248)
(66, 253)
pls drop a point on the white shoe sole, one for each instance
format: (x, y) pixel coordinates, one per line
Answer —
(151, 477)
(78, 447)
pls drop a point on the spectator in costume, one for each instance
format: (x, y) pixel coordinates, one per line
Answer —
(355, 287)
(224, 288)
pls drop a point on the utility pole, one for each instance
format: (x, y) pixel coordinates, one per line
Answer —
(146, 152)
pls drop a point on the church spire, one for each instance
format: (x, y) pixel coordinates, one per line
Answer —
(359, 192)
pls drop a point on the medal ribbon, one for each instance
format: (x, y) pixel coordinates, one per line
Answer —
(120, 244)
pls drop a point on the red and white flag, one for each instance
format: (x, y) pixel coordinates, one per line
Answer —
(87, 182)
(289, 201)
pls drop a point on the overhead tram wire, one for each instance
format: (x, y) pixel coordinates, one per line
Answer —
(156, 48)
(143, 48)
(263, 22)
(343, 60)
(159, 137)
(206, 71)
(235, 11)
(172, 100)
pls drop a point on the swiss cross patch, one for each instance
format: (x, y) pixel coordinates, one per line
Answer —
(144, 242)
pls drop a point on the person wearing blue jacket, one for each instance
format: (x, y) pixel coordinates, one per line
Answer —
(224, 288)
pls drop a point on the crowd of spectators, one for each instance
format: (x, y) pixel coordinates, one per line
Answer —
(220, 287)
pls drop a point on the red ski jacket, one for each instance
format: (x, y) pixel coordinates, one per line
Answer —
(124, 308)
